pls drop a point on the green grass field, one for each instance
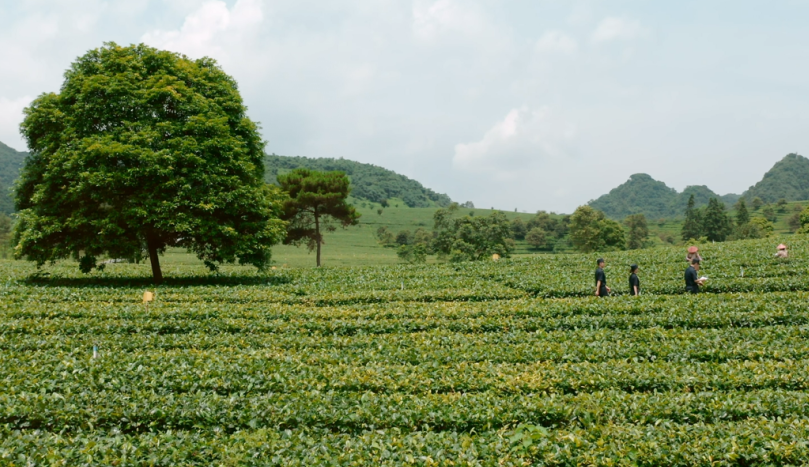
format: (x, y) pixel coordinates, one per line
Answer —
(506, 363)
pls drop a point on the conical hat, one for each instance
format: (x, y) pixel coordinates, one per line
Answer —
(782, 247)
(692, 249)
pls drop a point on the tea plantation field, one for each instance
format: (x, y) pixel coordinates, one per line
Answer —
(506, 363)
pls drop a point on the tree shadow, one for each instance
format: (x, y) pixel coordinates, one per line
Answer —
(48, 280)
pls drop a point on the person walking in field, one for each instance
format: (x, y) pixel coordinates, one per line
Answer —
(601, 279)
(693, 253)
(634, 282)
(692, 281)
(782, 251)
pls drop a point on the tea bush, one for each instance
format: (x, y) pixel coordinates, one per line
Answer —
(506, 363)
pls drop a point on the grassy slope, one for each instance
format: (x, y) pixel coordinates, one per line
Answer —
(357, 246)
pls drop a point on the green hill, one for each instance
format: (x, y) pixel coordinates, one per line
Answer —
(368, 182)
(645, 195)
(788, 179)
(640, 194)
(11, 162)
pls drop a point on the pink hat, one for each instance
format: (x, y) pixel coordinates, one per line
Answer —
(782, 247)
(692, 249)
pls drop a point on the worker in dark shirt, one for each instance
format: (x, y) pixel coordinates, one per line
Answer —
(692, 282)
(601, 279)
(634, 282)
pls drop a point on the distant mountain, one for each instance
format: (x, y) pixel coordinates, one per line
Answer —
(11, 161)
(368, 182)
(645, 195)
(640, 194)
(788, 179)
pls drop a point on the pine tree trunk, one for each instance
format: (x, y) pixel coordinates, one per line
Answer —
(157, 274)
(317, 234)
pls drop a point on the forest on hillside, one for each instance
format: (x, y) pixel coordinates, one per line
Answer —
(368, 182)
(642, 194)
(787, 179)
(11, 162)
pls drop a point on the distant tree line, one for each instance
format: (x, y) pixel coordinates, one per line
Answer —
(713, 223)
(457, 237)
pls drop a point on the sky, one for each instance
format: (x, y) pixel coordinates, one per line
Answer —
(512, 104)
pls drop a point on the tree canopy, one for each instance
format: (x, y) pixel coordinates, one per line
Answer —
(471, 238)
(692, 226)
(638, 231)
(317, 200)
(742, 215)
(140, 150)
(716, 225)
(590, 230)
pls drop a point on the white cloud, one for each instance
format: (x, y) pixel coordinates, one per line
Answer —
(203, 29)
(524, 141)
(399, 83)
(432, 19)
(557, 42)
(612, 28)
(10, 118)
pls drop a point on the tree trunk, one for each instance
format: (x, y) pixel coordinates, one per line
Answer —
(157, 275)
(317, 234)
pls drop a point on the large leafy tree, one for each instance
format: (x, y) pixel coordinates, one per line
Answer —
(537, 238)
(317, 201)
(590, 230)
(471, 238)
(803, 218)
(555, 227)
(638, 231)
(518, 229)
(140, 150)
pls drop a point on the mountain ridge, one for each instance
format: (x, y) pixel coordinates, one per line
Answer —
(642, 194)
(787, 179)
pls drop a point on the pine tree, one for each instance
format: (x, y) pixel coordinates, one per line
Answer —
(715, 222)
(692, 226)
(742, 216)
(316, 201)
